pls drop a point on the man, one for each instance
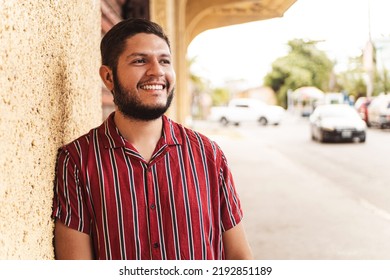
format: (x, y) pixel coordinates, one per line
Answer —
(141, 186)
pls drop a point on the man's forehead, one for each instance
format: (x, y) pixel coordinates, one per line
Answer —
(145, 39)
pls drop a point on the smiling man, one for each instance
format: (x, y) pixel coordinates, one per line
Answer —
(142, 186)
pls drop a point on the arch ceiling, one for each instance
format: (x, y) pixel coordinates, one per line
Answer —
(202, 15)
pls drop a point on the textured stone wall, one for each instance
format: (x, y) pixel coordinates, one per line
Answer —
(50, 92)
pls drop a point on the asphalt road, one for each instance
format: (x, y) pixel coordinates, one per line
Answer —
(305, 200)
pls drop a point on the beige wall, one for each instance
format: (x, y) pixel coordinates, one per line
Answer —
(50, 93)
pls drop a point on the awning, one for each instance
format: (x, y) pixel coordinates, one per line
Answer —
(202, 15)
(307, 93)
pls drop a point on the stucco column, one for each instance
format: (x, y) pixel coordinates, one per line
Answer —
(183, 94)
(50, 93)
(170, 14)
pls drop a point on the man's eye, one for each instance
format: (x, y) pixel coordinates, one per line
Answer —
(138, 61)
(165, 61)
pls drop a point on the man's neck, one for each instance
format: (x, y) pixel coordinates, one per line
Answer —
(143, 135)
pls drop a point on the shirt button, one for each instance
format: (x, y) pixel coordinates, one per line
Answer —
(156, 245)
(152, 206)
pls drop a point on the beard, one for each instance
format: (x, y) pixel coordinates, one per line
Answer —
(131, 106)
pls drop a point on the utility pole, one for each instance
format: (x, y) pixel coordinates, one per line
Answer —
(368, 61)
(368, 57)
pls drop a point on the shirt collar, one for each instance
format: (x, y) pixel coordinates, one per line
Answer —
(111, 137)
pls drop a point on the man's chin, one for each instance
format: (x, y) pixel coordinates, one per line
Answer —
(143, 114)
(144, 111)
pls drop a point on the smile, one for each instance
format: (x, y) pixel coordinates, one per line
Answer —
(152, 87)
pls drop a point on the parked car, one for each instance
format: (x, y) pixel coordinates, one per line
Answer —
(337, 122)
(333, 98)
(246, 110)
(378, 111)
(361, 105)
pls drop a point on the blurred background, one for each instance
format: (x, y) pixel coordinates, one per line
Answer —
(310, 188)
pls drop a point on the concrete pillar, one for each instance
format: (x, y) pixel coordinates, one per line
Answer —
(50, 93)
(163, 12)
(183, 93)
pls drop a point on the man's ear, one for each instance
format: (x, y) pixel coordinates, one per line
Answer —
(107, 78)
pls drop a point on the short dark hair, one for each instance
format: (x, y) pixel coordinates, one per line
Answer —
(113, 42)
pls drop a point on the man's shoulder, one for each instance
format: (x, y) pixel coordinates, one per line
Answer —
(195, 138)
(81, 143)
(192, 133)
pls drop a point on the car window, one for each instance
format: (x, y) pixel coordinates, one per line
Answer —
(338, 113)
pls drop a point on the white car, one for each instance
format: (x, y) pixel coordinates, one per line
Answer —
(245, 110)
(337, 122)
(378, 112)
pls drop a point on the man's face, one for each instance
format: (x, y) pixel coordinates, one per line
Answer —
(144, 79)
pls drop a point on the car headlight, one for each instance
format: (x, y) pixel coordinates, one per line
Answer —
(328, 127)
(361, 127)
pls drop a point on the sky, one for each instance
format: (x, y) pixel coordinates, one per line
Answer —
(246, 51)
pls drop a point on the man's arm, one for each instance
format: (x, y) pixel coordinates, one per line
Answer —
(235, 244)
(71, 244)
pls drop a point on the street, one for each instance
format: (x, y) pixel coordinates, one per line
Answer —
(305, 200)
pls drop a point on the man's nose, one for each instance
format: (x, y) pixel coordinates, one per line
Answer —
(155, 68)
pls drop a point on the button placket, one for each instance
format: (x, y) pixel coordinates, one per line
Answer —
(153, 223)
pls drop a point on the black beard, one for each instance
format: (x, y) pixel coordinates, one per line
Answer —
(130, 106)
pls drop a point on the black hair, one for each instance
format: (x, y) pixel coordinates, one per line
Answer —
(113, 42)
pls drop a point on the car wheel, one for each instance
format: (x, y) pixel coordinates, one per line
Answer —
(362, 139)
(224, 121)
(263, 121)
(321, 138)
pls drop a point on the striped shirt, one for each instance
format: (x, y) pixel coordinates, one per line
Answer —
(176, 206)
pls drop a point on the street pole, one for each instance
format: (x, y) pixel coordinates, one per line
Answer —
(368, 57)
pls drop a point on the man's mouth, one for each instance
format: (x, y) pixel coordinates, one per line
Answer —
(153, 87)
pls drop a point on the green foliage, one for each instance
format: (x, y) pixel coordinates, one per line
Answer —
(197, 82)
(382, 82)
(353, 80)
(304, 65)
(220, 96)
(201, 90)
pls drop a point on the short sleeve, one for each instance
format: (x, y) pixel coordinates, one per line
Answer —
(69, 202)
(231, 211)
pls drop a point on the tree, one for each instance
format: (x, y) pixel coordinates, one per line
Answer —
(220, 96)
(384, 81)
(304, 65)
(203, 95)
(354, 79)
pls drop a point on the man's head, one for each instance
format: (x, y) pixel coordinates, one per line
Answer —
(137, 68)
(114, 41)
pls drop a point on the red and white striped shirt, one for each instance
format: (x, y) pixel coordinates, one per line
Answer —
(174, 207)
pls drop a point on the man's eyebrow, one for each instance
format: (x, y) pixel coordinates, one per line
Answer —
(136, 54)
(139, 54)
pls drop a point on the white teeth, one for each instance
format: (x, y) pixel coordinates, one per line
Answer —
(152, 87)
